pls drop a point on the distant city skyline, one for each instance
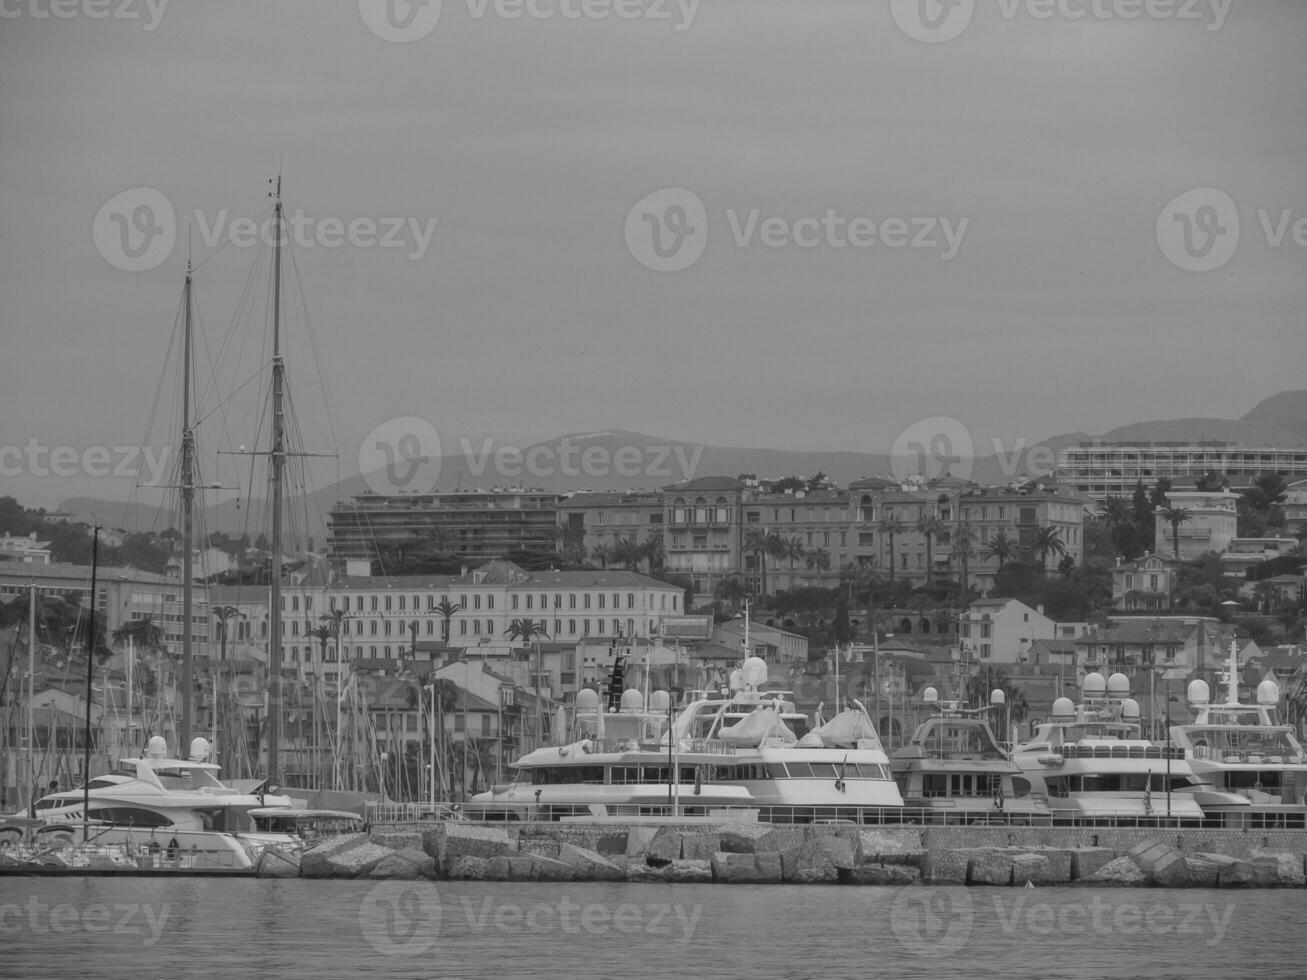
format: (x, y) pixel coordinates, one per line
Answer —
(1035, 227)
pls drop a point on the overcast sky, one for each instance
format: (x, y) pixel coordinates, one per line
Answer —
(1026, 292)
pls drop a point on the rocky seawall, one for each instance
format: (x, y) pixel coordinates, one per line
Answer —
(819, 854)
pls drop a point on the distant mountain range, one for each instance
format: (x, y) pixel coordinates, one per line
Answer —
(620, 460)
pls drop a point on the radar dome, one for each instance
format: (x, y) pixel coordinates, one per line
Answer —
(1063, 708)
(755, 672)
(1093, 685)
(632, 700)
(156, 747)
(659, 701)
(737, 680)
(997, 697)
(199, 749)
(1118, 685)
(587, 699)
(1268, 692)
(1197, 692)
(930, 695)
(1130, 709)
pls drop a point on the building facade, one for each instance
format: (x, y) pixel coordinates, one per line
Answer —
(1212, 524)
(1104, 470)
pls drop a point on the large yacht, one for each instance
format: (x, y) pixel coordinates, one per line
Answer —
(178, 805)
(742, 747)
(1095, 767)
(953, 771)
(1254, 771)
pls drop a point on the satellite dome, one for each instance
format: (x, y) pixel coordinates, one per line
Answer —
(930, 695)
(1093, 685)
(199, 749)
(587, 699)
(1197, 692)
(755, 673)
(997, 697)
(1063, 707)
(1130, 709)
(1118, 685)
(659, 701)
(1268, 692)
(632, 700)
(156, 747)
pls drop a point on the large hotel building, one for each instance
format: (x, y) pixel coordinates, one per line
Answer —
(1102, 470)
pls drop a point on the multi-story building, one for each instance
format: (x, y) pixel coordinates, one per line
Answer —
(27, 551)
(1212, 524)
(1002, 631)
(122, 594)
(1295, 507)
(1019, 515)
(597, 522)
(1144, 585)
(473, 524)
(1104, 470)
(703, 535)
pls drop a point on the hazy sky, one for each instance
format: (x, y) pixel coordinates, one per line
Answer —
(1048, 147)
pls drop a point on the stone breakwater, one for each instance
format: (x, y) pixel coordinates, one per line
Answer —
(821, 854)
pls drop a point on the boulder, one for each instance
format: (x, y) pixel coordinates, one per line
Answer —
(742, 838)
(1085, 861)
(689, 872)
(536, 868)
(639, 839)
(1042, 866)
(396, 840)
(1278, 867)
(277, 862)
(468, 868)
(611, 844)
(1205, 869)
(1121, 871)
(946, 866)
(886, 874)
(355, 862)
(408, 863)
(316, 862)
(459, 839)
(541, 846)
(666, 845)
(890, 847)
(699, 847)
(746, 869)
(819, 859)
(990, 866)
(1163, 864)
(590, 865)
(1240, 874)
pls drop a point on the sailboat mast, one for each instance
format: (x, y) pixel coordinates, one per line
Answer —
(278, 462)
(90, 675)
(31, 702)
(188, 504)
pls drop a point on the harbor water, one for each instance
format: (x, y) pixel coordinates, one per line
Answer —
(151, 929)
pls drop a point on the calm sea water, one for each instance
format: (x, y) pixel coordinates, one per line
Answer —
(143, 929)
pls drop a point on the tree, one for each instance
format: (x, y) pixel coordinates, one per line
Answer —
(963, 550)
(756, 540)
(731, 593)
(653, 551)
(991, 678)
(530, 631)
(628, 553)
(789, 483)
(223, 615)
(1175, 516)
(930, 525)
(816, 481)
(790, 549)
(1213, 481)
(143, 633)
(1119, 517)
(819, 559)
(1001, 548)
(1047, 541)
(1142, 512)
(891, 527)
(447, 611)
(843, 631)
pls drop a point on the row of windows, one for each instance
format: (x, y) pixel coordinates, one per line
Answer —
(543, 600)
(478, 627)
(625, 775)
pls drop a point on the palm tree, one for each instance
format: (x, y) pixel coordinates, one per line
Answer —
(1047, 541)
(653, 551)
(530, 631)
(963, 550)
(1001, 548)
(791, 549)
(223, 615)
(447, 611)
(143, 632)
(930, 525)
(1119, 517)
(756, 541)
(731, 592)
(601, 554)
(1175, 516)
(628, 553)
(818, 559)
(891, 527)
(979, 686)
